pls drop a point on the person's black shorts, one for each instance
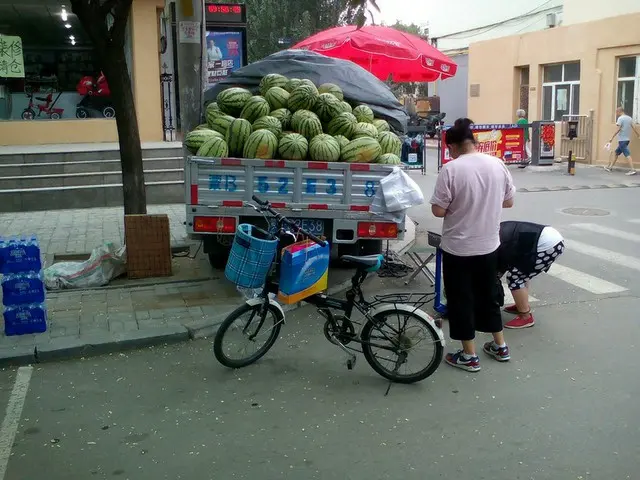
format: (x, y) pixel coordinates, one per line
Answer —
(472, 294)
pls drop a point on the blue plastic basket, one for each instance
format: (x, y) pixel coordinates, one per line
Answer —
(251, 256)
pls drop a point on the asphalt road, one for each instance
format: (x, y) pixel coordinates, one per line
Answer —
(565, 407)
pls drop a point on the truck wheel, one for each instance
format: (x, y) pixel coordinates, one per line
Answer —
(218, 252)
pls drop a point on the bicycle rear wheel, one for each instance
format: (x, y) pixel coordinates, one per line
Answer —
(398, 333)
(253, 327)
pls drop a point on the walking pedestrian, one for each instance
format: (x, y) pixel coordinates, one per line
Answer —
(625, 125)
(469, 195)
(526, 250)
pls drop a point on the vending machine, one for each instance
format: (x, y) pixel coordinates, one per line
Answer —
(225, 40)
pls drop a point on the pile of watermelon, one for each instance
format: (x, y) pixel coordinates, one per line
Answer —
(292, 119)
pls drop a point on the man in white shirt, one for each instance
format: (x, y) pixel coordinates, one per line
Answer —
(625, 125)
(213, 52)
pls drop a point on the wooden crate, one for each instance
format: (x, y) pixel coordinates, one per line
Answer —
(148, 242)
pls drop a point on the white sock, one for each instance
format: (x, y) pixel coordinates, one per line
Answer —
(500, 346)
(466, 356)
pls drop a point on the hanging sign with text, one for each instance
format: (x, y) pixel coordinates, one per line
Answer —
(504, 141)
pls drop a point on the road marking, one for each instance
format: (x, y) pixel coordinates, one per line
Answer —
(604, 254)
(12, 416)
(592, 227)
(634, 220)
(583, 280)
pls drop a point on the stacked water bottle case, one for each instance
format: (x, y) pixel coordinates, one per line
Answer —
(23, 291)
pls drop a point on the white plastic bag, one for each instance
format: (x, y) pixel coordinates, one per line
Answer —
(105, 263)
(400, 191)
(607, 146)
(378, 207)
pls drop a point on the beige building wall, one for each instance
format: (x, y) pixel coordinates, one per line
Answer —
(579, 11)
(493, 67)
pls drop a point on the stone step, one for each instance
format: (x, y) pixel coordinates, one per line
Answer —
(83, 166)
(84, 179)
(85, 196)
(76, 156)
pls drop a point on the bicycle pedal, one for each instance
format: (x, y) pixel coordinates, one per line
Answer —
(351, 362)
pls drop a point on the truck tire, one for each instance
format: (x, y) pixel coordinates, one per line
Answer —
(217, 251)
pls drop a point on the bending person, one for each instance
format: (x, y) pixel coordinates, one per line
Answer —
(526, 250)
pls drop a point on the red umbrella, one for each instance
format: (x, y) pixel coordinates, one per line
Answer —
(384, 52)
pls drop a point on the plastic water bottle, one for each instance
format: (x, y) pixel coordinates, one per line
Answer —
(3, 247)
(32, 250)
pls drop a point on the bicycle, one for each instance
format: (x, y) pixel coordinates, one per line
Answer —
(385, 318)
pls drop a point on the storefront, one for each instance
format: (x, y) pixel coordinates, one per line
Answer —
(580, 70)
(46, 58)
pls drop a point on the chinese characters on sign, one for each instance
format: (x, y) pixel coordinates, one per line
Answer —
(11, 59)
(189, 32)
(502, 141)
(224, 55)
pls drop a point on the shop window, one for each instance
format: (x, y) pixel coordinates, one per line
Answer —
(59, 78)
(628, 95)
(560, 90)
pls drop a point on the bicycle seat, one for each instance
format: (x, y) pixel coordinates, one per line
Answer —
(369, 263)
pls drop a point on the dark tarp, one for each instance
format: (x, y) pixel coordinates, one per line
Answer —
(358, 85)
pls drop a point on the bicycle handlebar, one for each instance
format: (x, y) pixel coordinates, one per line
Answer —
(267, 206)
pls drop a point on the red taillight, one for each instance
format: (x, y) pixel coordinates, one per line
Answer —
(194, 194)
(377, 230)
(214, 224)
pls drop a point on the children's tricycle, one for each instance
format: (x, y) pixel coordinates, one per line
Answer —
(47, 108)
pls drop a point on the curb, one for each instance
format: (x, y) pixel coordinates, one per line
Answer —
(579, 187)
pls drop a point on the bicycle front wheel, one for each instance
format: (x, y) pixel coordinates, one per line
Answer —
(391, 340)
(254, 330)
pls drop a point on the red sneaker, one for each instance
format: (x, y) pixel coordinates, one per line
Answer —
(521, 322)
(511, 308)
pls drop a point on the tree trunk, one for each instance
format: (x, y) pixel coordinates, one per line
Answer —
(133, 187)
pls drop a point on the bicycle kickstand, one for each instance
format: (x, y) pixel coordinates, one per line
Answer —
(351, 358)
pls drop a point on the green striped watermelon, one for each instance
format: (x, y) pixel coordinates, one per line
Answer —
(327, 107)
(381, 125)
(272, 80)
(214, 147)
(293, 146)
(344, 124)
(195, 139)
(309, 127)
(361, 150)
(212, 112)
(389, 159)
(261, 144)
(277, 97)
(324, 148)
(268, 123)
(204, 126)
(232, 100)
(363, 114)
(237, 135)
(390, 143)
(255, 108)
(333, 89)
(221, 124)
(343, 141)
(299, 115)
(292, 84)
(365, 130)
(283, 115)
(346, 107)
(309, 83)
(302, 98)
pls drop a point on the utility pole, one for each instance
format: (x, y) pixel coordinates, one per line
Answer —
(190, 27)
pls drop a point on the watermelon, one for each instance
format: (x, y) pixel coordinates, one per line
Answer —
(237, 135)
(277, 97)
(232, 100)
(309, 127)
(309, 83)
(324, 148)
(292, 84)
(389, 159)
(214, 147)
(283, 115)
(255, 108)
(195, 139)
(261, 144)
(381, 125)
(344, 124)
(299, 115)
(204, 126)
(327, 107)
(293, 146)
(390, 143)
(346, 107)
(302, 98)
(365, 130)
(342, 140)
(212, 112)
(333, 89)
(361, 150)
(268, 123)
(272, 80)
(363, 114)
(221, 124)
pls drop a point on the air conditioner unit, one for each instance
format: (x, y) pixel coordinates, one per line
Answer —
(552, 20)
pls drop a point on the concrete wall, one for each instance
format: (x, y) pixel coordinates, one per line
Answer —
(453, 91)
(596, 45)
(579, 11)
(146, 84)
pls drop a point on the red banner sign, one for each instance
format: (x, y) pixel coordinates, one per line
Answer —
(502, 141)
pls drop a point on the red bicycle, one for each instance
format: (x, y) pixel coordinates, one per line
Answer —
(47, 108)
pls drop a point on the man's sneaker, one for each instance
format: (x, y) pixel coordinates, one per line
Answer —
(499, 353)
(632, 172)
(511, 308)
(607, 169)
(521, 322)
(459, 360)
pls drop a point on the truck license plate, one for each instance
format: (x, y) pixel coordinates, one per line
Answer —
(313, 226)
